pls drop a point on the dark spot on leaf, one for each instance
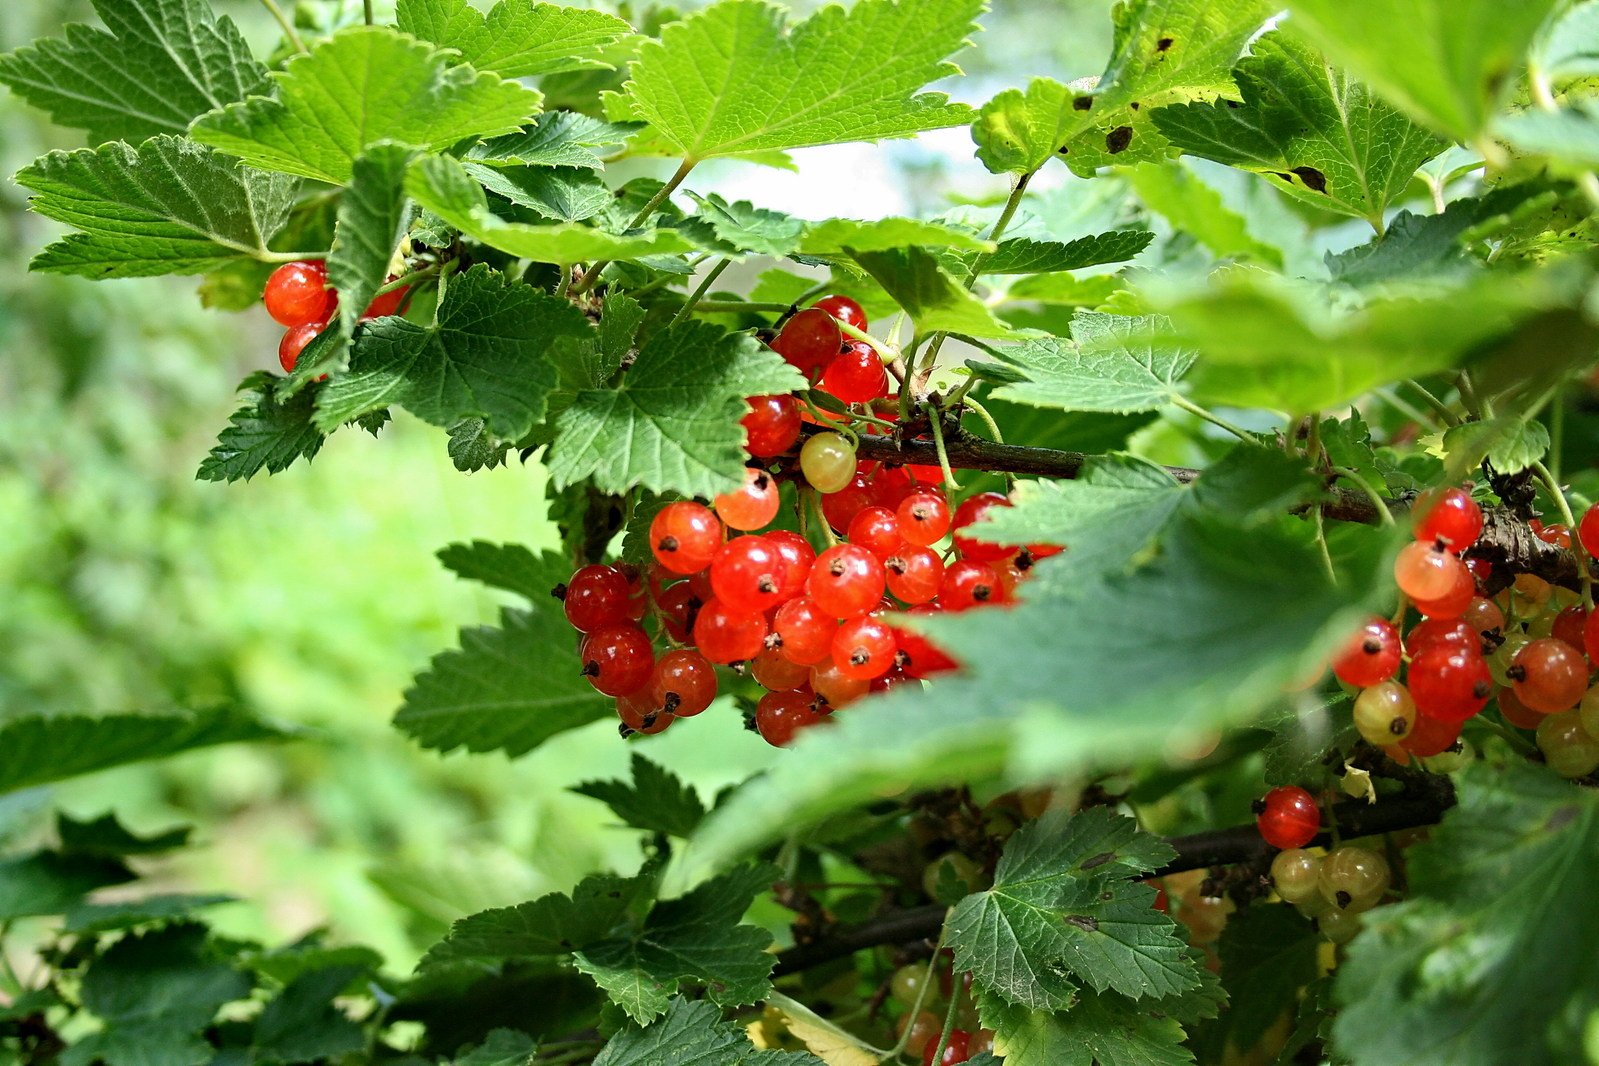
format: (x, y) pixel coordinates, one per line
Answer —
(1085, 922)
(1561, 818)
(1097, 860)
(1163, 44)
(1134, 105)
(567, 944)
(1082, 103)
(1283, 174)
(1118, 139)
(1313, 178)
(1233, 103)
(1063, 150)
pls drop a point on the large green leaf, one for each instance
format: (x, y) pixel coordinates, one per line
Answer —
(373, 216)
(1065, 911)
(693, 1034)
(1194, 208)
(656, 800)
(1569, 137)
(1099, 1030)
(169, 206)
(364, 85)
(487, 356)
(1569, 45)
(554, 139)
(1166, 52)
(163, 64)
(269, 432)
(837, 236)
(508, 689)
(516, 39)
(672, 424)
(511, 567)
(1110, 363)
(54, 882)
(1309, 129)
(556, 924)
(933, 299)
(1023, 256)
(444, 187)
(733, 79)
(1444, 61)
(36, 749)
(1483, 962)
(1233, 613)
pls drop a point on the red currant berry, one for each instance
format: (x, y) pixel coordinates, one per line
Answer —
(970, 584)
(836, 688)
(847, 581)
(841, 507)
(924, 518)
(1484, 615)
(747, 574)
(809, 341)
(864, 647)
(1372, 655)
(617, 659)
(1588, 530)
(685, 537)
(297, 294)
(390, 303)
(877, 530)
(780, 716)
(1549, 675)
(1481, 569)
(1431, 736)
(683, 683)
(1556, 534)
(798, 557)
(640, 714)
(753, 504)
(1590, 635)
(678, 606)
(969, 512)
(889, 485)
(1449, 515)
(295, 340)
(805, 630)
(957, 1050)
(772, 425)
(726, 635)
(856, 375)
(775, 672)
(1454, 603)
(1456, 631)
(596, 596)
(892, 680)
(915, 574)
(1448, 682)
(918, 656)
(1288, 817)
(1426, 571)
(1515, 712)
(843, 309)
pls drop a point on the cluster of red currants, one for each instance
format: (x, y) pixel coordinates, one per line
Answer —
(298, 296)
(1528, 648)
(814, 630)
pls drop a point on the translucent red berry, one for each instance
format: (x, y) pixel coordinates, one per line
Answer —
(969, 584)
(889, 485)
(1431, 736)
(798, 557)
(390, 303)
(1588, 530)
(836, 688)
(856, 375)
(864, 647)
(1449, 682)
(1456, 631)
(918, 656)
(924, 517)
(1372, 654)
(914, 574)
(295, 340)
(847, 580)
(747, 574)
(969, 512)
(596, 596)
(617, 659)
(726, 635)
(1425, 571)
(683, 683)
(297, 294)
(753, 504)
(1453, 603)
(805, 631)
(1569, 625)
(1448, 515)
(843, 309)
(1483, 614)
(809, 341)
(684, 536)
(780, 716)
(640, 714)
(841, 507)
(772, 425)
(1549, 675)
(877, 530)
(678, 606)
(957, 1050)
(776, 672)
(1288, 817)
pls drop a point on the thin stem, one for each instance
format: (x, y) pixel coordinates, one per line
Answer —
(1361, 483)
(837, 427)
(1214, 419)
(1557, 431)
(660, 197)
(949, 1022)
(406, 280)
(285, 25)
(366, 10)
(1439, 407)
(287, 257)
(1583, 570)
(1406, 408)
(988, 419)
(921, 996)
(943, 453)
(1469, 397)
(1321, 542)
(565, 283)
(705, 286)
(884, 352)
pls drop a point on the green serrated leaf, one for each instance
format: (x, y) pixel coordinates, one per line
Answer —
(505, 689)
(565, 194)
(693, 1033)
(83, 919)
(1099, 1030)
(364, 85)
(556, 924)
(49, 882)
(169, 206)
(486, 356)
(106, 835)
(1176, 193)
(554, 139)
(472, 447)
(672, 423)
(503, 1047)
(1022, 256)
(303, 1024)
(738, 228)
(162, 64)
(516, 40)
(36, 749)
(1510, 443)
(511, 567)
(374, 215)
(1307, 128)
(841, 236)
(1268, 954)
(733, 79)
(1465, 970)
(927, 293)
(1063, 910)
(265, 434)
(444, 187)
(1569, 136)
(1111, 363)
(1448, 65)
(1416, 246)
(656, 801)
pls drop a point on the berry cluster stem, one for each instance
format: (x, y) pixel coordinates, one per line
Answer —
(289, 32)
(592, 276)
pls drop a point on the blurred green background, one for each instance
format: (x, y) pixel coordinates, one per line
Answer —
(314, 595)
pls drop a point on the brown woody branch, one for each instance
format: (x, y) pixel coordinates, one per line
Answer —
(1423, 803)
